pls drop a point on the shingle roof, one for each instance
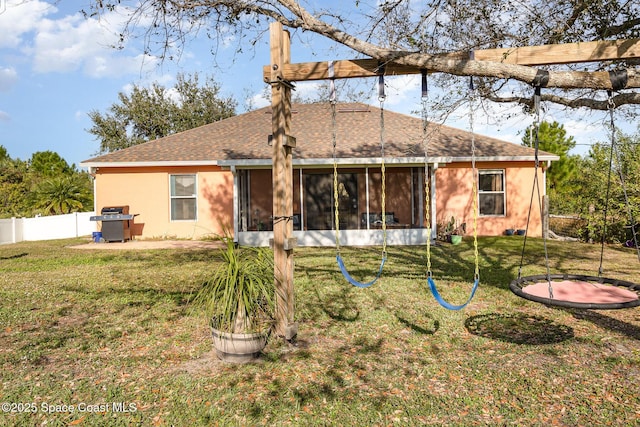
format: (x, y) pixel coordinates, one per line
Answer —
(245, 138)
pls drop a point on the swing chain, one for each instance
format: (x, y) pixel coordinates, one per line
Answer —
(427, 189)
(474, 171)
(333, 100)
(611, 105)
(336, 192)
(383, 178)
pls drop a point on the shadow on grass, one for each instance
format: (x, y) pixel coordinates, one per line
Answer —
(428, 327)
(174, 304)
(518, 328)
(133, 297)
(338, 305)
(14, 256)
(499, 259)
(607, 322)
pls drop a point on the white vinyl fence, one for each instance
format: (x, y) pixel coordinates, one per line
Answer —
(76, 224)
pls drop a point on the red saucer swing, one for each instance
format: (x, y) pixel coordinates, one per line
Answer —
(571, 290)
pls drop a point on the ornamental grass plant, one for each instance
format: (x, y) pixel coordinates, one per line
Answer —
(239, 295)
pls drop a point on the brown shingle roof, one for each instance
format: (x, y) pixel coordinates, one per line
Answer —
(244, 137)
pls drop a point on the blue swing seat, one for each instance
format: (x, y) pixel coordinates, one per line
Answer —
(353, 281)
(442, 302)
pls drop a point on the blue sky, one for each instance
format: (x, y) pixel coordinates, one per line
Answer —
(56, 66)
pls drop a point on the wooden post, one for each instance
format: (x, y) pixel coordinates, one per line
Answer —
(545, 217)
(282, 174)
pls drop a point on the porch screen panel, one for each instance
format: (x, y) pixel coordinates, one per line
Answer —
(184, 201)
(319, 204)
(491, 192)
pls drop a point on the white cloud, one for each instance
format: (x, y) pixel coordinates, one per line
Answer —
(20, 18)
(402, 92)
(307, 90)
(4, 117)
(8, 77)
(173, 95)
(258, 101)
(71, 42)
(165, 80)
(75, 43)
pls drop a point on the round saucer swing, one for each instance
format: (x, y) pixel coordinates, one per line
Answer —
(576, 290)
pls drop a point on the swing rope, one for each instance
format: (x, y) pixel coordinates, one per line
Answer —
(425, 139)
(336, 194)
(536, 190)
(608, 192)
(573, 286)
(618, 166)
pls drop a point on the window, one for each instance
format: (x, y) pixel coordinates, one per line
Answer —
(184, 205)
(491, 194)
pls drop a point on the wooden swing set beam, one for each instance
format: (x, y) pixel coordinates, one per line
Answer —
(281, 72)
(569, 53)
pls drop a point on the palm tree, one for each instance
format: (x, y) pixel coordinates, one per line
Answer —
(62, 194)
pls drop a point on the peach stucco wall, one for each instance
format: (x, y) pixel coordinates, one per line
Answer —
(146, 191)
(454, 198)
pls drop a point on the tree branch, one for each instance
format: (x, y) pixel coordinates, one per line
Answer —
(187, 15)
(593, 104)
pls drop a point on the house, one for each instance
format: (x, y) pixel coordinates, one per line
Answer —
(195, 183)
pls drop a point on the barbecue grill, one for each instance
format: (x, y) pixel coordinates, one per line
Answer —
(115, 223)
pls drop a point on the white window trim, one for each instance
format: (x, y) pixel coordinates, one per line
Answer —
(194, 196)
(503, 192)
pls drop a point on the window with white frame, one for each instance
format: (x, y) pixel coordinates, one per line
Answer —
(491, 192)
(184, 200)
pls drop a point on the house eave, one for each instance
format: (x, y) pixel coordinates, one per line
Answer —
(168, 163)
(369, 161)
(543, 158)
(343, 162)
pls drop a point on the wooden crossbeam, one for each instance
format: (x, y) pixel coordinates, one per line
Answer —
(568, 53)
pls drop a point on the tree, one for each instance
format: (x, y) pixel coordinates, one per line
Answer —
(432, 35)
(153, 112)
(552, 138)
(598, 190)
(4, 154)
(48, 163)
(62, 194)
(14, 184)
(45, 184)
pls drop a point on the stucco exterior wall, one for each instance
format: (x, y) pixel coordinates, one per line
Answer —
(146, 191)
(454, 197)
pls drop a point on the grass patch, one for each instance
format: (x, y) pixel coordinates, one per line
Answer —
(104, 331)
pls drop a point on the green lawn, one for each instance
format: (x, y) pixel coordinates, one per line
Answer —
(98, 332)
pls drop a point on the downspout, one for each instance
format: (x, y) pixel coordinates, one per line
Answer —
(366, 193)
(432, 178)
(301, 186)
(236, 216)
(92, 174)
